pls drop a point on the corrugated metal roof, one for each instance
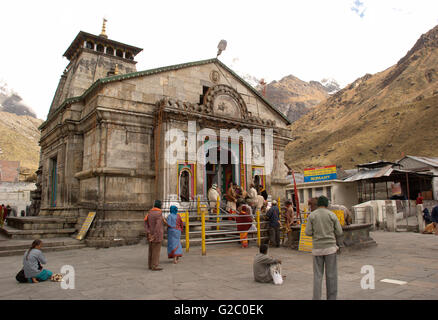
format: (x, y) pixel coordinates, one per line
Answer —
(370, 174)
(382, 172)
(432, 161)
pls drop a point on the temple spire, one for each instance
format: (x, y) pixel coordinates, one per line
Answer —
(103, 33)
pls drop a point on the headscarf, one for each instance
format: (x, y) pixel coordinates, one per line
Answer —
(171, 219)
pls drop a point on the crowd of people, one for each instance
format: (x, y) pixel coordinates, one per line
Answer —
(322, 225)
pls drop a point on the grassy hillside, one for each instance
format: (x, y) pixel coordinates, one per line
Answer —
(19, 136)
(376, 117)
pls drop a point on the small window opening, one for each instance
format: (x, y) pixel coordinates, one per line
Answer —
(89, 45)
(204, 92)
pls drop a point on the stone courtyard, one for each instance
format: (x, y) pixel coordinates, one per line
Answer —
(226, 273)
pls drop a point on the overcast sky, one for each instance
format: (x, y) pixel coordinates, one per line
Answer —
(311, 39)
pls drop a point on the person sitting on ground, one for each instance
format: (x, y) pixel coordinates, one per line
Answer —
(426, 216)
(32, 261)
(262, 265)
(434, 216)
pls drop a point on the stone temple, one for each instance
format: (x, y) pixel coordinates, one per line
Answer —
(105, 143)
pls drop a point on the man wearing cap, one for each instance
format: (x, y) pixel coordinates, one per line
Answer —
(153, 225)
(213, 194)
(324, 227)
(273, 216)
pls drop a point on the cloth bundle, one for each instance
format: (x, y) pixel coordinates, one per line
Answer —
(57, 277)
(276, 274)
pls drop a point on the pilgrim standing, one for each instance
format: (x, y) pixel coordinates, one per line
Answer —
(174, 228)
(153, 224)
(324, 227)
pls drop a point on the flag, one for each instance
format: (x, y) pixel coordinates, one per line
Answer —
(296, 196)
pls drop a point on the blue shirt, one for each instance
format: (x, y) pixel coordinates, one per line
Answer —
(274, 216)
(435, 214)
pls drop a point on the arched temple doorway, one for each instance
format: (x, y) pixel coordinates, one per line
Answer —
(222, 173)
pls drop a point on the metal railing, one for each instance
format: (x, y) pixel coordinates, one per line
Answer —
(217, 218)
(221, 227)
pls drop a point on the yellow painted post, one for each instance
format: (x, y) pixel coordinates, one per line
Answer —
(203, 231)
(187, 232)
(217, 212)
(258, 228)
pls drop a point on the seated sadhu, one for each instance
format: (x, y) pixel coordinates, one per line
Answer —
(265, 265)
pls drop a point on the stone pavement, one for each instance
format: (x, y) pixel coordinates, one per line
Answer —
(226, 273)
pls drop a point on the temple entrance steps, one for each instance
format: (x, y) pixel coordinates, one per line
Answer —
(38, 227)
(11, 247)
(408, 225)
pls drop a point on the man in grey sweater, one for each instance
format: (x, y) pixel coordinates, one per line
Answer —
(262, 265)
(324, 227)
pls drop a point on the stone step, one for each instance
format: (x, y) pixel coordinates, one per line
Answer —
(19, 252)
(403, 228)
(47, 243)
(40, 223)
(13, 233)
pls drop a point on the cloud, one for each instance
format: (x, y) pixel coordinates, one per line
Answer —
(359, 8)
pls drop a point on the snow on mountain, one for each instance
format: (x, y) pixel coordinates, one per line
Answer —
(331, 85)
(11, 102)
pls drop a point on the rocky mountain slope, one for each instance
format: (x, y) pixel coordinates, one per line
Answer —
(376, 117)
(19, 134)
(295, 97)
(11, 102)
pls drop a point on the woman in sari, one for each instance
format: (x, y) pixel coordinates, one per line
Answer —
(244, 222)
(174, 229)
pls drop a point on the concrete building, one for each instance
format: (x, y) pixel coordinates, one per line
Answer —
(105, 141)
(338, 192)
(16, 195)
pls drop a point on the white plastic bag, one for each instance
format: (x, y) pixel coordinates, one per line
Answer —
(276, 274)
(253, 228)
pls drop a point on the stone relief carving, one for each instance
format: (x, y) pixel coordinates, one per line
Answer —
(222, 101)
(215, 76)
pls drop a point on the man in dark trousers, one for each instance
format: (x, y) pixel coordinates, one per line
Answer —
(324, 227)
(154, 228)
(273, 215)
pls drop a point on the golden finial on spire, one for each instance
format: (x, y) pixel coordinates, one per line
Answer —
(103, 33)
(116, 69)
